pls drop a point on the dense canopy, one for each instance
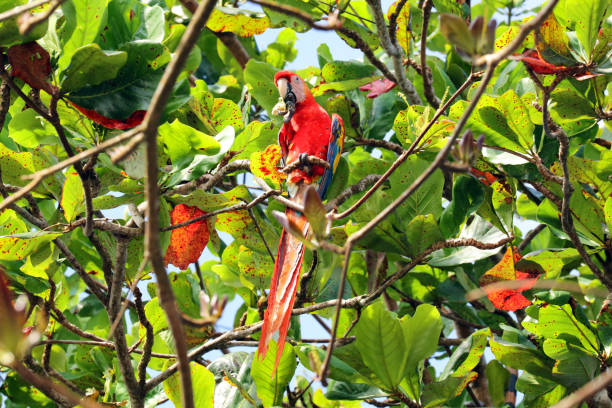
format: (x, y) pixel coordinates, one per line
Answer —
(463, 248)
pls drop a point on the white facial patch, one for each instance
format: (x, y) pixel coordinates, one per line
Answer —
(281, 84)
(297, 86)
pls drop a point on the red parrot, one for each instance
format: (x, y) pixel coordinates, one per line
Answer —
(307, 131)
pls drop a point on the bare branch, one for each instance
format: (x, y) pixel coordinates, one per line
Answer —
(381, 143)
(297, 13)
(360, 186)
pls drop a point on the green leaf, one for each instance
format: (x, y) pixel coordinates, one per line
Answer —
(30, 130)
(380, 339)
(522, 357)
(497, 378)
(478, 229)
(9, 30)
(586, 16)
(152, 25)
(467, 355)
(17, 241)
(271, 385)
(90, 65)
(437, 393)
(338, 390)
(72, 195)
(281, 20)
(559, 322)
(282, 50)
(312, 357)
(203, 387)
(134, 85)
(422, 232)
(84, 21)
(467, 197)
(259, 76)
(337, 71)
(239, 22)
(183, 141)
(421, 332)
(517, 117)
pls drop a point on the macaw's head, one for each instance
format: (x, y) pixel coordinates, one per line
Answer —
(293, 91)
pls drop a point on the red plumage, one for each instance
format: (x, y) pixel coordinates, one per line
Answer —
(307, 131)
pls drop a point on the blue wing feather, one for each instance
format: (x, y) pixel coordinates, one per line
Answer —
(336, 143)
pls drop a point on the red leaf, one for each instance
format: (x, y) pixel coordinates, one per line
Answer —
(484, 176)
(378, 87)
(133, 120)
(511, 268)
(535, 61)
(188, 242)
(32, 64)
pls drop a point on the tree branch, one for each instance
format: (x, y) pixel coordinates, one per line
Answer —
(395, 52)
(152, 240)
(426, 72)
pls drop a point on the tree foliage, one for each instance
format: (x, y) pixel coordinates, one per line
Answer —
(475, 180)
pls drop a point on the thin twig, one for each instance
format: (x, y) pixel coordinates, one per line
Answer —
(358, 187)
(235, 207)
(27, 21)
(21, 9)
(530, 236)
(296, 12)
(394, 147)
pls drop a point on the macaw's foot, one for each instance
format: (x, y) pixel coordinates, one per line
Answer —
(305, 163)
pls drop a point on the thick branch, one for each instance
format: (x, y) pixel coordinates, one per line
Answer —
(152, 240)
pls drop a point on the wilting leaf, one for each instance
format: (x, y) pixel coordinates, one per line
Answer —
(32, 64)
(511, 268)
(72, 195)
(188, 242)
(133, 120)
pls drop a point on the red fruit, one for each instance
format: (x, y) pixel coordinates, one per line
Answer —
(186, 243)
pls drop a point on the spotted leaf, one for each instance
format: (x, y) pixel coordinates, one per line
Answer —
(263, 164)
(188, 242)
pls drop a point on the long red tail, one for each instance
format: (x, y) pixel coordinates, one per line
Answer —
(283, 288)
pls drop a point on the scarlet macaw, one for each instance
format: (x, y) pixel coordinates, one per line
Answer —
(307, 130)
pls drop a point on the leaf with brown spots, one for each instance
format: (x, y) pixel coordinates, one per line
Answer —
(188, 242)
(511, 268)
(32, 64)
(238, 23)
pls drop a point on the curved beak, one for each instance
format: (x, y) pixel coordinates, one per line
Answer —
(289, 99)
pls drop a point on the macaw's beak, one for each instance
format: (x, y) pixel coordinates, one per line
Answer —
(287, 101)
